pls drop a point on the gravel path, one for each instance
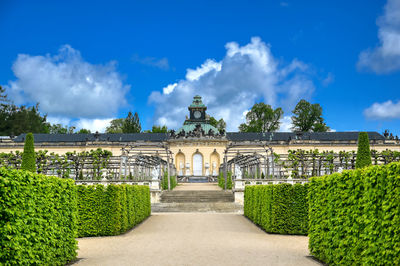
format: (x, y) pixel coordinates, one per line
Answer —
(195, 239)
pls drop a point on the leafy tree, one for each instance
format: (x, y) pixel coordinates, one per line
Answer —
(29, 157)
(363, 152)
(60, 129)
(15, 120)
(132, 124)
(219, 124)
(157, 129)
(83, 131)
(308, 117)
(262, 118)
(116, 126)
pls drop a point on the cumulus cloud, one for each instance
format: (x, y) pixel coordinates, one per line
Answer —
(286, 124)
(385, 110)
(232, 85)
(66, 86)
(385, 57)
(93, 124)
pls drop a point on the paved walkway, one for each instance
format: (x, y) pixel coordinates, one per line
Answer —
(195, 239)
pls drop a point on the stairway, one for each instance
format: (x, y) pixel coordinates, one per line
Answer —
(197, 196)
(191, 197)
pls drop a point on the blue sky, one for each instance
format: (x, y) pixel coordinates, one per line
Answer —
(87, 62)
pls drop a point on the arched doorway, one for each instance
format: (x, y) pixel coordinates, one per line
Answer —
(214, 159)
(180, 163)
(197, 164)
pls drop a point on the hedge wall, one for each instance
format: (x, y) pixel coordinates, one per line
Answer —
(111, 210)
(221, 180)
(355, 216)
(281, 208)
(37, 219)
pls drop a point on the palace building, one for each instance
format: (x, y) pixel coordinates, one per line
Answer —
(198, 149)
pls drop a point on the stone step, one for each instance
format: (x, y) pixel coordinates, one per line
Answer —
(197, 196)
(212, 207)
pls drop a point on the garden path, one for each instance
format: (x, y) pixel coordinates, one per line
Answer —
(195, 239)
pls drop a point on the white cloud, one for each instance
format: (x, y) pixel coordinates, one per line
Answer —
(93, 124)
(170, 88)
(385, 57)
(385, 110)
(66, 86)
(286, 124)
(231, 86)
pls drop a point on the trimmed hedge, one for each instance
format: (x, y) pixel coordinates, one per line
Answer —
(281, 208)
(355, 216)
(111, 210)
(173, 182)
(221, 180)
(29, 156)
(363, 151)
(37, 219)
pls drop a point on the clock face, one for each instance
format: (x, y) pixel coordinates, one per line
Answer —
(197, 114)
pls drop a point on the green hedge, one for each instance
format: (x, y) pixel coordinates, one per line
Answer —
(221, 180)
(281, 208)
(37, 219)
(111, 210)
(355, 216)
(173, 181)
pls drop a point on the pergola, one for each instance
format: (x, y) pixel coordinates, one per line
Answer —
(252, 157)
(140, 158)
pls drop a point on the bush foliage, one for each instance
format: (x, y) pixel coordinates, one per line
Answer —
(363, 151)
(111, 210)
(37, 219)
(355, 216)
(281, 208)
(173, 181)
(221, 180)
(29, 156)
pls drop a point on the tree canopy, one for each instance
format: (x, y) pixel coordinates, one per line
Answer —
(130, 124)
(115, 126)
(157, 129)
(219, 124)
(308, 117)
(262, 118)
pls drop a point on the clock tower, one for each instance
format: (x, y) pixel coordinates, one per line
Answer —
(197, 109)
(198, 121)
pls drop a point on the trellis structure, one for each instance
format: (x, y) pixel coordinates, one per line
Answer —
(253, 159)
(140, 159)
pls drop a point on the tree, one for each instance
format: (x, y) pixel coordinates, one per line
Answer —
(262, 118)
(83, 131)
(115, 126)
(28, 156)
(60, 129)
(363, 151)
(219, 124)
(132, 124)
(15, 120)
(157, 129)
(308, 117)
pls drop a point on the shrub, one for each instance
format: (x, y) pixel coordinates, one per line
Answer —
(111, 210)
(363, 152)
(28, 156)
(355, 216)
(221, 180)
(173, 181)
(281, 208)
(37, 219)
